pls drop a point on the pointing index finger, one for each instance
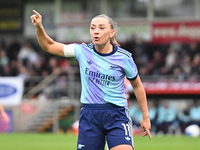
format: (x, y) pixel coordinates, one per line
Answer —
(37, 14)
(149, 134)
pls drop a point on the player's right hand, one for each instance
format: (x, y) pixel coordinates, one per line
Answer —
(36, 19)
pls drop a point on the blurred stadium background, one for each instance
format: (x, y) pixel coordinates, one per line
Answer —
(40, 92)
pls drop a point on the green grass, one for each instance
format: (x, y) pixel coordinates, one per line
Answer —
(38, 142)
(167, 143)
(68, 142)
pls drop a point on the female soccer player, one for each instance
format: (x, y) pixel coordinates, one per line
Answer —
(103, 66)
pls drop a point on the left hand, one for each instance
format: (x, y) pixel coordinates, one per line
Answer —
(146, 127)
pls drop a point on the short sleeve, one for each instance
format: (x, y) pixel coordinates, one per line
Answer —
(131, 70)
(78, 50)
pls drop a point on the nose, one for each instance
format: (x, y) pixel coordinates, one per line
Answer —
(96, 31)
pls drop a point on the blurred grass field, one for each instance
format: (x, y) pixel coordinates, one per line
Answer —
(43, 141)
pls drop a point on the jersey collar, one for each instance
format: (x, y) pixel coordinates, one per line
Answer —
(106, 54)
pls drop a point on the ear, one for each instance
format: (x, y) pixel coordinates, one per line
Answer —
(112, 33)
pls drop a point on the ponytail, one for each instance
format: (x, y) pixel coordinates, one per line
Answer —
(113, 40)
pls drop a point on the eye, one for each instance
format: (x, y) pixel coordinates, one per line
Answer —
(91, 28)
(101, 28)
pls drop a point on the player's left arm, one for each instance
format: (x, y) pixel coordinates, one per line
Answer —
(142, 100)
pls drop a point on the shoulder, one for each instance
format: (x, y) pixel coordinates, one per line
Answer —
(83, 47)
(88, 46)
(123, 52)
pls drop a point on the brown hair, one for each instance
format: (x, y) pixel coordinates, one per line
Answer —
(113, 26)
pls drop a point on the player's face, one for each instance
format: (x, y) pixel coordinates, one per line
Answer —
(100, 31)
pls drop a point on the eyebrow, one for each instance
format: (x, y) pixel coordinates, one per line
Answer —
(99, 25)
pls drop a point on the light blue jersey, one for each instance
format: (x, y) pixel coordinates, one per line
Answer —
(102, 75)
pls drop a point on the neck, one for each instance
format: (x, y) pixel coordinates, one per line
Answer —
(107, 48)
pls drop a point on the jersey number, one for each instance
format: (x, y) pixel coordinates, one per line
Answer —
(127, 129)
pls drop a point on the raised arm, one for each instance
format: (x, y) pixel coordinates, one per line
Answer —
(44, 40)
(141, 98)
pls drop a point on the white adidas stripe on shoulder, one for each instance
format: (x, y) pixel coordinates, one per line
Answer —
(124, 52)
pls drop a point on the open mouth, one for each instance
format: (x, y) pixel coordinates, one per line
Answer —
(96, 38)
